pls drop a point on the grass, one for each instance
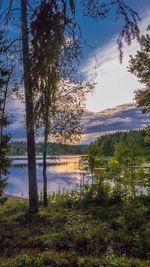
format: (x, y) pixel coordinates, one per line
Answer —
(70, 233)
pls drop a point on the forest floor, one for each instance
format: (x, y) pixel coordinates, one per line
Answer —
(98, 233)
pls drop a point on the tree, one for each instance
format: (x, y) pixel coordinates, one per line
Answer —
(93, 163)
(33, 193)
(94, 157)
(95, 9)
(139, 65)
(126, 168)
(60, 101)
(5, 75)
(8, 16)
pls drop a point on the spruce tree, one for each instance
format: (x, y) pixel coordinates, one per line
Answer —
(4, 120)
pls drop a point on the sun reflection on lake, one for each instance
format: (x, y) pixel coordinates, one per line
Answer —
(63, 175)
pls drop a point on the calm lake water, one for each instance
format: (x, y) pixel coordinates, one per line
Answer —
(63, 175)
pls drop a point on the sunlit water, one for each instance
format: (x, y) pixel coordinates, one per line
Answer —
(63, 175)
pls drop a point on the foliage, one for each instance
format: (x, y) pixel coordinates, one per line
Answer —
(97, 235)
(94, 156)
(140, 66)
(49, 20)
(59, 95)
(108, 141)
(124, 174)
(5, 75)
(128, 166)
(59, 99)
(20, 149)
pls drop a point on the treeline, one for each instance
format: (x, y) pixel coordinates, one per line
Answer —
(107, 142)
(20, 149)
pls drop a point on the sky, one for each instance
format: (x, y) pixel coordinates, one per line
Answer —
(114, 84)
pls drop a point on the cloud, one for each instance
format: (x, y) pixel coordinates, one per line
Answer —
(16, 109)
(115, 85)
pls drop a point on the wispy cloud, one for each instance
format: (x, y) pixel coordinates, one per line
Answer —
(115, 85)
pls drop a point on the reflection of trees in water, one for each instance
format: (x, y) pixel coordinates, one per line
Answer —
(24, 165)
(40, 164)
(17, 166)
(62, 175)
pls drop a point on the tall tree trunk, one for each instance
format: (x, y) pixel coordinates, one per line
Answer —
(33, 192)
(44, 162)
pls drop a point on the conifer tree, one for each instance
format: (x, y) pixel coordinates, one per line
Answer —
(94, 9)
(139, 65)
(5, 75)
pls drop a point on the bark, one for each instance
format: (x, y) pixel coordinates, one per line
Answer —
(45, 175)
(33, 192)
(4, 105)
(44, 162)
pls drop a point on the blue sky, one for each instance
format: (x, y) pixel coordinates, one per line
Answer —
(99, 33)
(115, 85)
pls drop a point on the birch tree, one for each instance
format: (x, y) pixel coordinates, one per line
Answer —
(94, 9)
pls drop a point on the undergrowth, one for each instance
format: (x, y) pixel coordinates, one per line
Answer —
(76, 232)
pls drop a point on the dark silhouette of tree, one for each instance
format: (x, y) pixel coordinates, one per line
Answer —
(5, 76)
(33, 193)
(139, 65)
(60, 101)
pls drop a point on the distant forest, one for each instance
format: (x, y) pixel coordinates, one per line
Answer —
(20, 149)
(107, 142)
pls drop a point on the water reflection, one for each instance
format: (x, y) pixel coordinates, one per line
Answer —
(64, 174)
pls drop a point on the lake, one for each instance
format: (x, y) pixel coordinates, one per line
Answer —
(63, 173)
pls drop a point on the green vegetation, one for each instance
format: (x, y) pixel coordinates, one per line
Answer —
(102, 224)
(20, 149)
(107, 142)
(127, 171)
(139, 65)
(51, 53)
(75, 231)
(5, 75)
